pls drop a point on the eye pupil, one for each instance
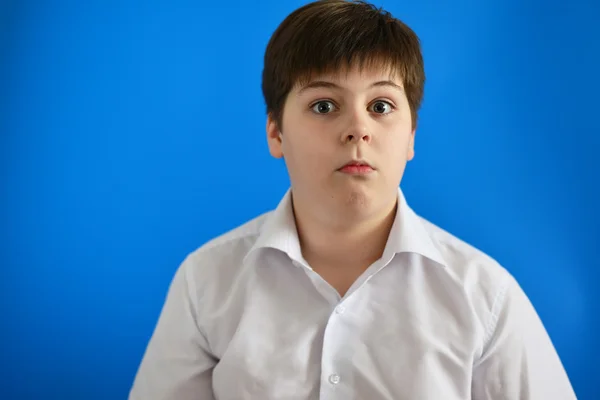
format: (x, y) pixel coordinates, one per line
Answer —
(379, 107)
(324, 107)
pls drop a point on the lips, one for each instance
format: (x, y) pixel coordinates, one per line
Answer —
(357, 163)
(357, 168)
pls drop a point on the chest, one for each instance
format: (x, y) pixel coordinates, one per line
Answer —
(340, 279)
(385, 340)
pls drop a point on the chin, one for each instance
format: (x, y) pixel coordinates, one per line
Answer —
(366, 200)
(358, 199)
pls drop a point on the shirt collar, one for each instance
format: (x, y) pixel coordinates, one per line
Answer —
(408, 233)
(279, 231)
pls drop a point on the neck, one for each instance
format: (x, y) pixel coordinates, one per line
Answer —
(352, 243)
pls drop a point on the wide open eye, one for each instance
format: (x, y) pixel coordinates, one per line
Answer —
(323, 107)
(381, 107)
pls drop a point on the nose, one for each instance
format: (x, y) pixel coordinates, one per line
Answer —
(357, 129)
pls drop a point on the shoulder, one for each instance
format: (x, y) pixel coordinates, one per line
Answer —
(467, 263)
(479, 276)
(219, 260)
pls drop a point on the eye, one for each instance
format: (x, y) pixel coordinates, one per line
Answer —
(381, 107)
(323, 107)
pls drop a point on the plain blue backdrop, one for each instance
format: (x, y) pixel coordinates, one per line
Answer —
(132, 132)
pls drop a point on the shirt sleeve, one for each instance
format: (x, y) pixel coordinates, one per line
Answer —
(177, 363)
(519, 361)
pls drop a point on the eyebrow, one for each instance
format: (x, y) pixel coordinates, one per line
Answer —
(331, 85)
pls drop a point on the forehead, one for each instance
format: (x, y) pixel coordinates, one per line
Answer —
(354, 74)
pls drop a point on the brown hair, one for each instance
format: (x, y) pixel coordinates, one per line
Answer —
(328, 35)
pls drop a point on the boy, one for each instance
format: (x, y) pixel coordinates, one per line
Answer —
(343, 292)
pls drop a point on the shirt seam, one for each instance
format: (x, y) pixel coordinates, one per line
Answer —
(222, 241)
(193, 306)
(497, 305)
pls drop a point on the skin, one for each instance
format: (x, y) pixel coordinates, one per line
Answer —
(344, 220)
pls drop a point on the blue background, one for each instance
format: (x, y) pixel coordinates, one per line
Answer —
(132, 132)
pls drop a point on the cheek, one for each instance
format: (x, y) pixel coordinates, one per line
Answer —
(305, 149)
(395, 148)
(397, 139)
(312, 135)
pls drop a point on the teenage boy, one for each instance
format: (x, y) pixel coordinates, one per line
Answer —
(343, 291)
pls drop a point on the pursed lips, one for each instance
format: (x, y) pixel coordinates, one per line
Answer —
(357, 167)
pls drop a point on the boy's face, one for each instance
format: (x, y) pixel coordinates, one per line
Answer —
(336, 119)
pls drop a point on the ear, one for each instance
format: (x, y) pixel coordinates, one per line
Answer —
(274, 139)
(411, 146)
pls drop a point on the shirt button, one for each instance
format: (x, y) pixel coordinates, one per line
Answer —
(340, 309)
(334, 379)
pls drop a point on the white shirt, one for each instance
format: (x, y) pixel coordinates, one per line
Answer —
(247, 318)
